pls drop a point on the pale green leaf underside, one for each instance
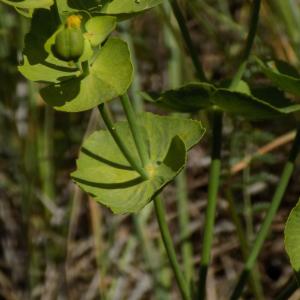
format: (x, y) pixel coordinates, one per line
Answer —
(46, 72)
(98, 28)
(29, 4)
(103, 171)
(109, 76)
(129, 6)
(292, 237)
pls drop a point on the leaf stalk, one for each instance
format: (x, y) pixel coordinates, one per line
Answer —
(123, 148)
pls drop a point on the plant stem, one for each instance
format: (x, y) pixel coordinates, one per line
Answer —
(289, 11)
(152, 261)
(47, 146)
(150, 252)
(175, 79)
(187, 39)
(159, 209)
(254, 279)
(137, 100)
(183, 215)
(278, 196)
(166, 236)
(135, 130)
(214, 180)
(248, 212)
(249, 43)
(127, 154)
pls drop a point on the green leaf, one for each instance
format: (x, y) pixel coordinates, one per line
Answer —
(287, 81)
(103, 171)
(124, 8)
(116, 7)
(47, 71)
(189, 98)
(196, 96)
(110, 68)
(39, 64)
(44, 24)
(98, 29)
(292, 238)
(250, 107)
(243, 87)
(109, 77)
(29, 4)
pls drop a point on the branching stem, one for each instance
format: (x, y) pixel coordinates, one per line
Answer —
(135, 130)
(123, 148)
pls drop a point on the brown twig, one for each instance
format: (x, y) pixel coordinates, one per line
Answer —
(280, 141)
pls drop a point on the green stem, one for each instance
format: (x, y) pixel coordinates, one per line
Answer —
(278, 196)
(183, 215)
(175, 79)
(288, 11)
(127, 154)
(187, 39)
(135, 130)
(152, 261)
(137, 100)
(249, 43)
(248, 211)
(47, 150)
(254, 280)
(166, 236)
(214, 181)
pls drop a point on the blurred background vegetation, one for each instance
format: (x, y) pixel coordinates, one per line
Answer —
(56, 243)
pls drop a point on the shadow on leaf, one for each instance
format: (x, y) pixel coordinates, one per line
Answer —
(104, 160)
(110, 186)
(44, 24)
(60, 94)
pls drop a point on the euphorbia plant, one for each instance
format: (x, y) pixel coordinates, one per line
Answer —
(126, 166)
(69, 49)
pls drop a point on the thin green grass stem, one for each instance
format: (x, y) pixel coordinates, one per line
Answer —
(166, 236)
(254, 280)
(213, 187)
(262, 234)
(127, 154)
(289, 11)
(249, 43)
(187, 39)
(175, 79)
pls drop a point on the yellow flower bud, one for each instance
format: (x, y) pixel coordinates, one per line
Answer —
(74, 21)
